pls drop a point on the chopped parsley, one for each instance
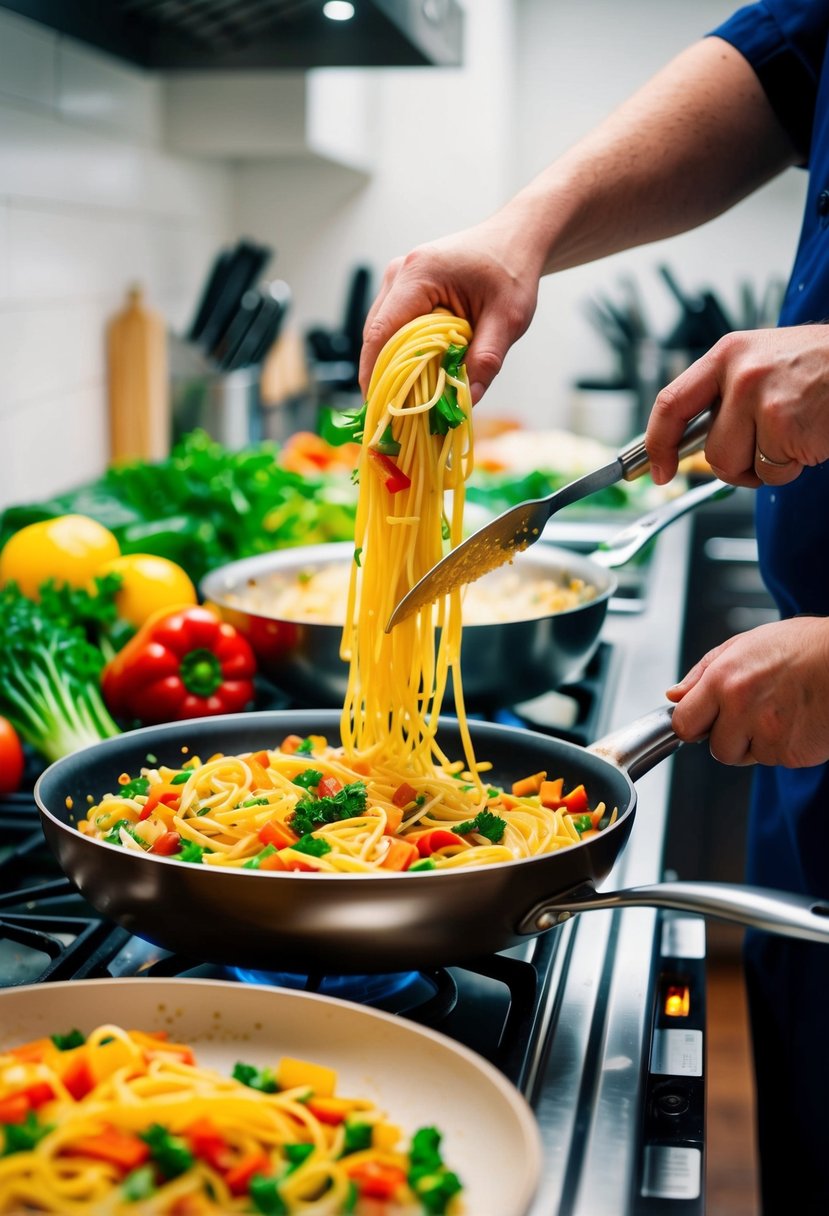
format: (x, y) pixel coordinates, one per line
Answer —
(65, 1042)
(23, 1137)
(308, 779)
(253, 802)
(190, 851)
(296, 1154)
(170, 1153)
(312, 813)
(113, 836)
(252, 863)
(447, 414)
(314, 846)
(306, 747)
(485, 824)
(264, 1193)
(262, 1079)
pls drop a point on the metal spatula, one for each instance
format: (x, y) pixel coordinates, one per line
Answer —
(519, 527)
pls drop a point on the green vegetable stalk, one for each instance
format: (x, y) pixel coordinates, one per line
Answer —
(50, 670)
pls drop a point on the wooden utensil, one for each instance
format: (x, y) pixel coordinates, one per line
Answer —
(138, 383)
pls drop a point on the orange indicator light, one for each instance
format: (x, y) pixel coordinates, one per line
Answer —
(677, 1001)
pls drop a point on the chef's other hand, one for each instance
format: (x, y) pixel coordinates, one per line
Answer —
(772, 417)
(761, 697)
(485, 274)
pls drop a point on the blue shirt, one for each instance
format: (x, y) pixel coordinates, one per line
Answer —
(785, 41)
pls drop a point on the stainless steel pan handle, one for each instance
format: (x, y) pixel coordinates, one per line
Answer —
(780, 912)
(641, 745)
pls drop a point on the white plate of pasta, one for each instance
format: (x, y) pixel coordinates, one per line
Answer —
(160, 1097)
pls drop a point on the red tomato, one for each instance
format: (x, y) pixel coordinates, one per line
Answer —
(12, 760)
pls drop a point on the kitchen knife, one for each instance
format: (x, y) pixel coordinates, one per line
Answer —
(210, 294)
(247, 264)
(519, 527)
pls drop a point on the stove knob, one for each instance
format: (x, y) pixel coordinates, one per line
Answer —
(672, 1104)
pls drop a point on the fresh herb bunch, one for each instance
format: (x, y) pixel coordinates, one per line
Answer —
(206, 505)
(50, 669)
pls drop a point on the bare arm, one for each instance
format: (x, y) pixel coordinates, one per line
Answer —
(693, 141)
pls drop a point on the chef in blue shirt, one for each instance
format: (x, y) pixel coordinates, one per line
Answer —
(747, 101)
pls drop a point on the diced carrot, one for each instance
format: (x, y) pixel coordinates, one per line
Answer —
(124, 1150)
(293, 1072)
(259, 774)
(528, 786)
(376, 1179)
(550, 793)
(430, 841)
(169, 843)
(361, 767)
(277, 833)
(290, 744)
(36, 1051)
(330, 1110)
(274, 861)
(394, 818)
(404, 794)
(14, 1109)
(264, 758)
(238, 1176)
(401, 854)
(161, 792)
(328, 787)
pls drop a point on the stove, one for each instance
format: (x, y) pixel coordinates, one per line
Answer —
(599, 1022)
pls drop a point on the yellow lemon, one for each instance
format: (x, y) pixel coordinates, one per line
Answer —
(149, 584)
(69, 549)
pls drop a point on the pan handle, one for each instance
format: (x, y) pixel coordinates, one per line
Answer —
(640, 745)
(780, 912)
(624, 545)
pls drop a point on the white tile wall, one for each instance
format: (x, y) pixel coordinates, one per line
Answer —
(89, 203)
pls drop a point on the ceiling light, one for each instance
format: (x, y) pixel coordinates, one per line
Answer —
(338, 10)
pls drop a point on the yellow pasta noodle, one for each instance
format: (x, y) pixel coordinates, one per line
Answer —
(127, 1122)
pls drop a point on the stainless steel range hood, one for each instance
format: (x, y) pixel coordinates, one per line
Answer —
(200, 35)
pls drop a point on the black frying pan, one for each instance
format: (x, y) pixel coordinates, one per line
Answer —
(357, 923)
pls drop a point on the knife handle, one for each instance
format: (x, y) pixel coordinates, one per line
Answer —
(635, 461)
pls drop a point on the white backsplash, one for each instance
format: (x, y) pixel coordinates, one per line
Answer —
(89, 204)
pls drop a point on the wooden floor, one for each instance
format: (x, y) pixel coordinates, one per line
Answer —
(731, 1177)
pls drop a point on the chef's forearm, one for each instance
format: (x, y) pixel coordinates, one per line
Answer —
(693, 141)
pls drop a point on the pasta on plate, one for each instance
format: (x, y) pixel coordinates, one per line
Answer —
(384, 797)
(126, 1122)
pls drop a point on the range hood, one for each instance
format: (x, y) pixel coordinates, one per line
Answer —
(199, 35)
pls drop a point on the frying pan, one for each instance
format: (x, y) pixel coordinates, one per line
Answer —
(419, 1077)
(502, 662)
(371, 923)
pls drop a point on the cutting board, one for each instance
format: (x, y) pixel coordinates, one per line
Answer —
(138, 383)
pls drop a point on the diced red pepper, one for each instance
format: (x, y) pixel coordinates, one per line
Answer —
(404, 794)
(391, 473)
(239, 1176)
(163, 792)
(328, 787)
(77, 1076)
(434, 839)
(169, 843)
(575, 803)
(208, 1143)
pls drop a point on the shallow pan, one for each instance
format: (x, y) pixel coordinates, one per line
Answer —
(347, 923)
(419, 1077)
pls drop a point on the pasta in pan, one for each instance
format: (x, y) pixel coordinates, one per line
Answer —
(124, 1121)
(385, 796)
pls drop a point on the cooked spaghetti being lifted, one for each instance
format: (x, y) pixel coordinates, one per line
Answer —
(385, 796)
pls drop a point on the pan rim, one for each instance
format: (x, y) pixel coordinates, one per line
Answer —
(260, 717)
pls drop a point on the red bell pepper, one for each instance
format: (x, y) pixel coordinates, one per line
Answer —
(181, 664)
(392, 474)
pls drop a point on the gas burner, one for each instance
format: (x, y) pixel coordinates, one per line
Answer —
(425, 996)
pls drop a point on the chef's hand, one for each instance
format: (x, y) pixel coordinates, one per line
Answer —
(772, 417)
(488, 274)
(761, 697)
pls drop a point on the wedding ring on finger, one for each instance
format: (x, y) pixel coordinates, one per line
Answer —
(775, 464)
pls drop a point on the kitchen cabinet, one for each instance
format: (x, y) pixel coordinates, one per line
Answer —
(709, 801)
